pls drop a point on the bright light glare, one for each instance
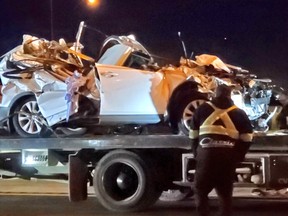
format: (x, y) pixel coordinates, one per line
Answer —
(93, 3)
(29, 160)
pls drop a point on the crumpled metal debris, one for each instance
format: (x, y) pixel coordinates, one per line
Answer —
(73, 85)
(37, 59)
(57, 58)
(196, 69)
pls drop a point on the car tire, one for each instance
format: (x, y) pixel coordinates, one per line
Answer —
(181, 107)
(27, 119)
(187, 107)
(123, 182)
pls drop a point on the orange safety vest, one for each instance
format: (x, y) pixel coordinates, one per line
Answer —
(228, 128)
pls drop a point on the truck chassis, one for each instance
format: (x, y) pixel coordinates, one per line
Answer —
(130, 172)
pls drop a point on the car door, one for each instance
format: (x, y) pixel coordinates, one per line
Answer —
(126, 95)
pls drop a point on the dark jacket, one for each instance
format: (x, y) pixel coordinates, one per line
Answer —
(238, 145)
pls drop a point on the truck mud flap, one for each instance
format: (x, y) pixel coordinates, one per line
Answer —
(78, 173)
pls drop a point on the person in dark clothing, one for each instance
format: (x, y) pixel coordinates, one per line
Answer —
(221, 135)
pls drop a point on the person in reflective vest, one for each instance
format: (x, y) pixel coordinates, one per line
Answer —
(221, 135)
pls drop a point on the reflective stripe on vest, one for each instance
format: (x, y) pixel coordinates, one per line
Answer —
(193, 134)
(246, 137)
(228, 129)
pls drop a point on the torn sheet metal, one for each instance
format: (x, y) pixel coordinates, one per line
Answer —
(40, 66)
(195, 69)
(206, 60)
(73, 85)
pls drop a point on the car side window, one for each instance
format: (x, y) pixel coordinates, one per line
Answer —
(137, 60)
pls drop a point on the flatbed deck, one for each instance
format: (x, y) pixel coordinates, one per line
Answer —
(100, 142)
(271, 142)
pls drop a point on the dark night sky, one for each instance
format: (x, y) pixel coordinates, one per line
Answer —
(252, 34)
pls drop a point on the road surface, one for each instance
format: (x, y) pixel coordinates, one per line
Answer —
(36, 205)
(49, 198)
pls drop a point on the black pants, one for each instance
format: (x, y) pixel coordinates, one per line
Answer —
(214, 171)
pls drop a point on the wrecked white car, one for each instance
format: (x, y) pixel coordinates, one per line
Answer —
(48, 84)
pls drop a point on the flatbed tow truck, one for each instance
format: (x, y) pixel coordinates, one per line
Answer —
(129, 172)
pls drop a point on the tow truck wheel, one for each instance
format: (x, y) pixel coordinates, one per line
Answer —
(28, 121)
(123, 182)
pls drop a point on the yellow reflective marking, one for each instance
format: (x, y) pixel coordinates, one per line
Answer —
(229, 129)
(193, 134)
(247, 137)
(218, 129)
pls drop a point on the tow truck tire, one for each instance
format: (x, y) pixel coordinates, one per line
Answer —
(27, 120)
(124, 182)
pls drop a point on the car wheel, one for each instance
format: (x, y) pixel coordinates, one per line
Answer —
(28, 121)
(181, 108)
(123, 182)
(188, 107)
